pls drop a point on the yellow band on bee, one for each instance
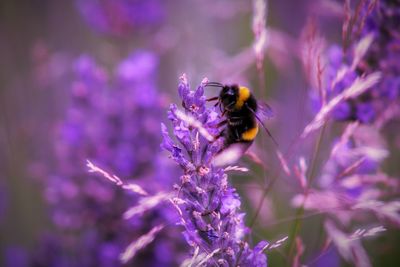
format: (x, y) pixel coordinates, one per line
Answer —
(250, 134)
(244, 94)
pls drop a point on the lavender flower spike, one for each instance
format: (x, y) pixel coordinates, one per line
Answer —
(209, 208)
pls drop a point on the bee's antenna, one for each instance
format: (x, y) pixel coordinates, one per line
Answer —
(214, 84)
(262, 124)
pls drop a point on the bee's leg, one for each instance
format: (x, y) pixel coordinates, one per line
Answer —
(222, 123)
(237, 135)
(221, 134)
(212, 98)
(230, 105)
(215, 138)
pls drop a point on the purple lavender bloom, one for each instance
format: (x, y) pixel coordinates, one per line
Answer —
(391, 88)
(208, 206)
(365, 112)
(121, 17)
(352, 186)
(111, 122)
(339, 75)
(377, 22)
(383, 55)
(328, 259)
(343, 111)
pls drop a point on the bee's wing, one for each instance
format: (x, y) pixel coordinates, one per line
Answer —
(230, 154)
(264, 111)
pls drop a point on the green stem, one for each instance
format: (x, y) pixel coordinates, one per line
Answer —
(300, 211)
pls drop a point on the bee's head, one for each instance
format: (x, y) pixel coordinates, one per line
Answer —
(228, 96)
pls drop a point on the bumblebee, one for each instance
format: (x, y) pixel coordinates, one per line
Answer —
(240, 111)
